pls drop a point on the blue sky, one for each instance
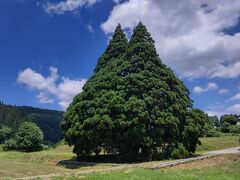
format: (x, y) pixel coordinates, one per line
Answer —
(49, 48)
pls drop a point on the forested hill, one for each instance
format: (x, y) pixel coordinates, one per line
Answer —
(11, 117)
(47, 120)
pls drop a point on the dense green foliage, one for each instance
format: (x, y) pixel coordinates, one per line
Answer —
(229, 123)
(91, 112)
(9, 145)
(133, 104)
(180, 152)
(28, 138)
(216, 121)
(11, 117)
(213, 133)
(194, 128)
(5, 134)
(47, 120)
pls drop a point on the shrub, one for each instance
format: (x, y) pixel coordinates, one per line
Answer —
(10, 145)
(5, 134)
(234, 129)
(29, 137)
(225, 127)
(175, 154)
(213, 133)
(180, 152)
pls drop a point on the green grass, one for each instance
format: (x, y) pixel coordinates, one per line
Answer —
(228, 167)
(18, 164)
(216, 143)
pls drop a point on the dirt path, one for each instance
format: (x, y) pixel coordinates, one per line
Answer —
(158, 165)
(208, 154)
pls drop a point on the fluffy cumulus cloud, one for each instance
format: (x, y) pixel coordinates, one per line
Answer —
(67, 6)
(190, 35)
(50, 88)
(210, 86)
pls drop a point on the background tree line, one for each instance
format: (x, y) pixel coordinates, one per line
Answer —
(44, 125)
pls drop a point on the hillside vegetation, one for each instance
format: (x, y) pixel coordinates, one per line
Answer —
(47, 120)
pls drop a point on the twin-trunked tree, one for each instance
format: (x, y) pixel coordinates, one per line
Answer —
(132, 105)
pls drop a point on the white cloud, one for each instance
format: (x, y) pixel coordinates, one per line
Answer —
(68, 89)
(234, 109)
(230, 71)
(43, 99)
(67, 6)
(222, 91)
(36, 80)
(210, 86)
(63, 91)
(235, 97)
(189, 34)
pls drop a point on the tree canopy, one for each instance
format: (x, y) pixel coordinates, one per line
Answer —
(28, 138)
(229, 123)
(132, 105)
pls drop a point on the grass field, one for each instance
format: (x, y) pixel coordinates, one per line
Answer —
(18, 164)
(216, 143)
(220, 167)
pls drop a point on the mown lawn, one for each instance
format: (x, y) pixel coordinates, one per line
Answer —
(217, 168)
(216, 143)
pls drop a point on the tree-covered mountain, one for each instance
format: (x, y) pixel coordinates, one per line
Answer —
(11, 116)
(47, 120)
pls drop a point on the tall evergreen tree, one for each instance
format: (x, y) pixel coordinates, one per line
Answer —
(116, 48)
(155, 99)
(89, 121)
(132, 104)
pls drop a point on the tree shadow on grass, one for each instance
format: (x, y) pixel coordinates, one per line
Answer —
(93, 160)
(73, 163)
(109, 159)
